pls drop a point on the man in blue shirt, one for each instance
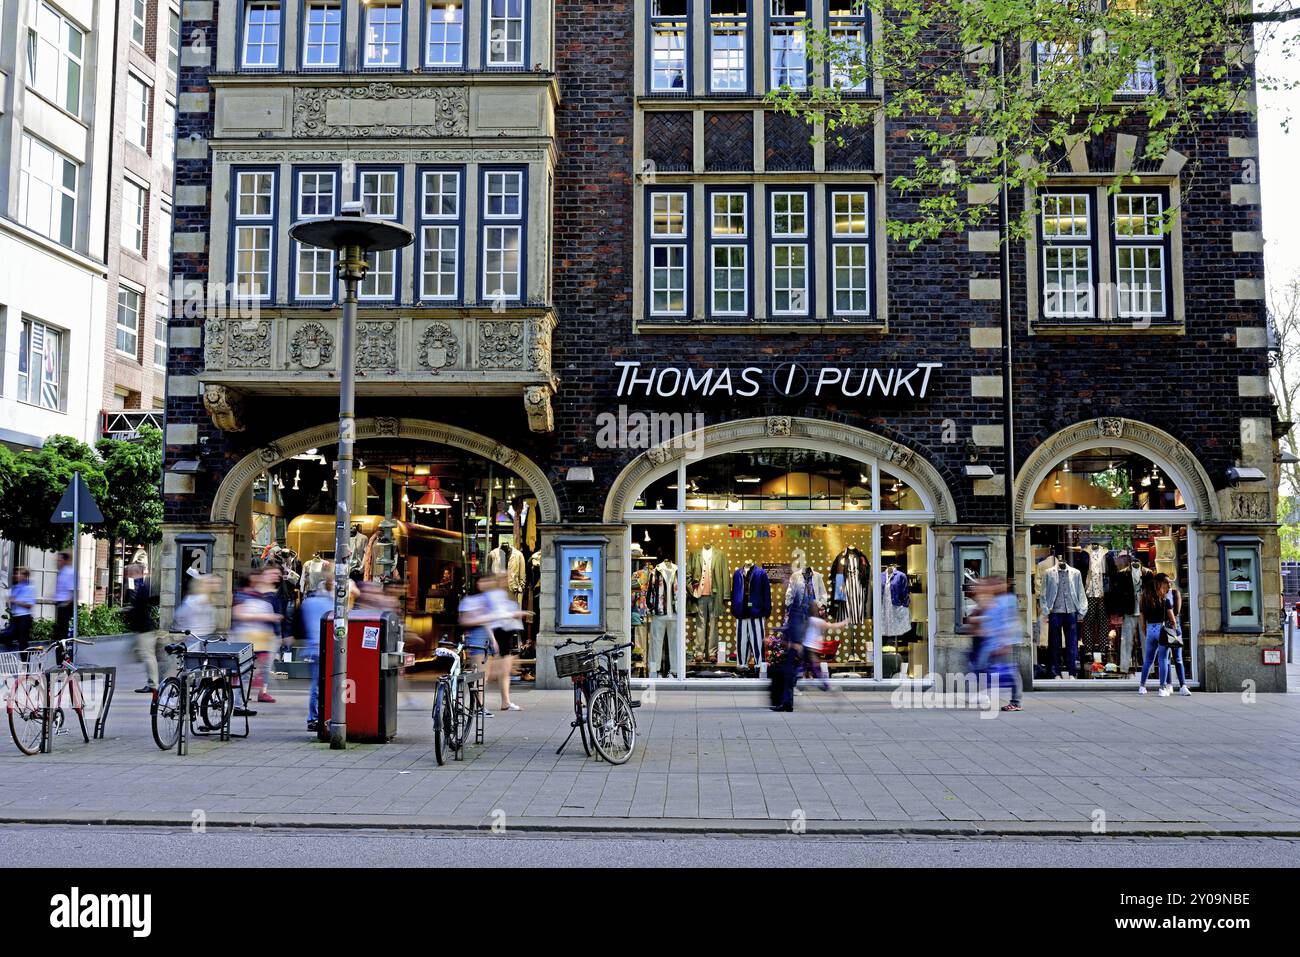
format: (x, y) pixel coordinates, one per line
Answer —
(22, 601)
(65, 594)
(314, 606)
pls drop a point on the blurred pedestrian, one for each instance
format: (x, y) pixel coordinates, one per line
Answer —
(478, 614)
(22, 602)
(196, 612)
(997, 627)
(814, 644)
(65, 595)
(314, 607)
(508, 630)
(139, 618)
(255, 620)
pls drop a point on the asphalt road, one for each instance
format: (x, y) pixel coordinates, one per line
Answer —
(88, 846)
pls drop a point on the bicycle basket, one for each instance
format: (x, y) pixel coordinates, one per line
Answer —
(13, 663)
(574, 663)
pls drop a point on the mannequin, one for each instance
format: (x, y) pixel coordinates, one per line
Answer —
(851, 588)
(896, 613)
(751, 603)
(640, 607)
(313, 570)
(706, 584)
(1094, 624)
(508, 561)
(1064, 603)
(661, 599)
(356, 552)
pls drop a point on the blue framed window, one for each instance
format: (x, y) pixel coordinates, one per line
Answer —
(787, 44)
(262, 30)
(383, 41)
(503, 208)
(315, 196)
(253, 226)
(444, 33)
(506, 33)
(670, 46)
(728, 46)
(1068, 262)
(1140, 253)
(728, 251)
(668, 262)
(849, 24)
(442, 203)
(789, 251)
(379, 189)
(851, 260)
(322, 35)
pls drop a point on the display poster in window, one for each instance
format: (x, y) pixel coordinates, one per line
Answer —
(580, 569)
(1243, 591)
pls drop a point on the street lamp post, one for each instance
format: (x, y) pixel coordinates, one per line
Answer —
(351, 235)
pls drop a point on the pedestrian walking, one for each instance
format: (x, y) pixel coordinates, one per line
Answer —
(508, 631)
(22, 603)
(314, 607)
(65, 595)
(1160, 627)
(814, 644)
(196, 612)
(1176, 647)
(997, 638)
(139, 618)
(255, 620)
(478, 614)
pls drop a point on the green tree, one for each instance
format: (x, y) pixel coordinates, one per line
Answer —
(1007, 92)
(133, 508)
(36, 481)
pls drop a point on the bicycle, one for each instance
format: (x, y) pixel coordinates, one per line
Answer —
(603, 709)
(451, 715)
(200, 700)
(36, 709)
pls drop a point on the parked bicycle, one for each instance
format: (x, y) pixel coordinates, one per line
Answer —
(200, 697)
(602, 699)
(457, 703)
(41, 685)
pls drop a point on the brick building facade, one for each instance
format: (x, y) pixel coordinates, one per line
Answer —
(674, 230)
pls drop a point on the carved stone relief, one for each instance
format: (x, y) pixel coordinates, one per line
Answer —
(312, 346)
(378, 156)
(537, 403)
(225, 406)
(900, 455)
(778, 426)
(539, 346)
(249, 344)
(438, 347)
(501, 345)
(1250, 506)
(1111, 428)
(377, 345)
(214, 342)
(386, 426)
(446, 115)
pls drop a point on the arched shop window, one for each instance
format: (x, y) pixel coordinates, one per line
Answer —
(727, 549)
(1104, 517)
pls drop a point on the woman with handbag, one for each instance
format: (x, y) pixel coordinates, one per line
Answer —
(1159, 626)
(1171, 640)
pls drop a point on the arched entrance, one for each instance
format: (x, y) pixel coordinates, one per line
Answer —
(730, 528)
(1102, 503)
(433, 506)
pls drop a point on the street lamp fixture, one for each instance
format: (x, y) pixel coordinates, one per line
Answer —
(351, 235)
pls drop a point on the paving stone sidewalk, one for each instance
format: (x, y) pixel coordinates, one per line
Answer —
(709, 760)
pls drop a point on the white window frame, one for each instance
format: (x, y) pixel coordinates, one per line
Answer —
(435, 20)
(676, 249)
(164, 245)
(855, 241)
(262, 46)
(1134, 298)
(734, 249)
(254, 230)
(786, 26)
(517, 192)
(139, 23)
(513, 16)
(139, 98)
(135, 215)
(441, 224)
(173, 40)
(380, 284)
(160, 332)
(392, 52)
(728, 60)
(789, 234)
(316, 37)
(849, 31)
(128, 332)
(41, 187)
(55, 64)
(311, 261)
(670, 45)
(1066, 254)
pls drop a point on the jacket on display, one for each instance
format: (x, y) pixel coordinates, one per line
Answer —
(1121, 595)
(509, 562)
(661, 595)
(751, 593)
(900, 593)
(1076, 601)
(695, 574)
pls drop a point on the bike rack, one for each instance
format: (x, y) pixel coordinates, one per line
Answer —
(78, 703)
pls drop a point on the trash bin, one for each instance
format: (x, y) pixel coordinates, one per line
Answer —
(374, 638)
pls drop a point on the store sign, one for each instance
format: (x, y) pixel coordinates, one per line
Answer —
(1272, 656)
(789, 380)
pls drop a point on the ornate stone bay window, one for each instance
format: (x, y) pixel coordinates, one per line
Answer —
(429, 115)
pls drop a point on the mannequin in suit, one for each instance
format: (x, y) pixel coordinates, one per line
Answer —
(706, 588)
(1064, 603)
(751, 603)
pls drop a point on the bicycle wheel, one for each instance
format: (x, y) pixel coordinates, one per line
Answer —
(580, 715)
(26, 717)
(215, 704)
(460, 718)
(441, 723)
(613, 731)
(165, 713)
